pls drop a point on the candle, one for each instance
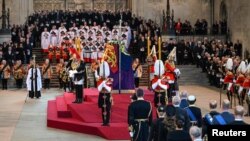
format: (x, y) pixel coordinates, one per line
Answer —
(159, 47)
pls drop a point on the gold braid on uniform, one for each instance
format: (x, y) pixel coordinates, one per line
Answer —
(75, 65)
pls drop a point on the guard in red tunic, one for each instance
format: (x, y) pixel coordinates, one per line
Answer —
(58, 52)
(104, 86)
(65, 52)
(171, 77)
(51, 53)
(240, 80)
(172, 73)
(229, 78)
(159, 84)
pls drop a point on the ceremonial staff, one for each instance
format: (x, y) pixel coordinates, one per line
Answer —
(119, 41)
(221, 86)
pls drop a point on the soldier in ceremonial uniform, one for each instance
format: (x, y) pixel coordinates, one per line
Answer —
(47, 73)
(58, 52)
(184, 102)
(139, 118)
(159, 84)
(5, 74)
(171, 76)
(246, 89)
(240, 80)
(228, 80)
(65, 52)
(64, 75)
(104, 86)
(59, 69)
(208, 118)
(51, 52)
(19, 73)
(77, 70)
(194, 112)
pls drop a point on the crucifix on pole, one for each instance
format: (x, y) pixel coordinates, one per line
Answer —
(119, 41)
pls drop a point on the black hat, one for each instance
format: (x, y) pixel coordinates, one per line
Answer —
(161, 108)
(124, 35)
(107, 33)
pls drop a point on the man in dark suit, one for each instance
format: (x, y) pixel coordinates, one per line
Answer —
(212, 113)
(194, 112)
(179, 111)
(238, 113)
(140, 117)
(184, 103)
(208, 118)
(225, 117)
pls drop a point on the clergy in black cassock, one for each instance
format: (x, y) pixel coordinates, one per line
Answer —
(34, 82)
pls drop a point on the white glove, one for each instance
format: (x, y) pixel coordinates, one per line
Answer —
(234, 81)
(248, 93)
(221, 80)
(240, 90)
(71, 73)
(229, 86)
(177, 72)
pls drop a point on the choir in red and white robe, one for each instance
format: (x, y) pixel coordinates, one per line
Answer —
(45, 41)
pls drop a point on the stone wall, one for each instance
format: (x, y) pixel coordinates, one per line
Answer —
(238, 17)
(183, 9)
(19, 9)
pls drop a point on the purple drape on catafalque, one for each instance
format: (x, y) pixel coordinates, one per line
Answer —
(127, 76)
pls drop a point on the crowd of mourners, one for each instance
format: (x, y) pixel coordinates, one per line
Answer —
(182, 120)
(200, 28)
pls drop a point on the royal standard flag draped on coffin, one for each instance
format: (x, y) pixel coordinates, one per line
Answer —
(111, 55)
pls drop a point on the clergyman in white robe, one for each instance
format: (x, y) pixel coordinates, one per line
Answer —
(34, 82)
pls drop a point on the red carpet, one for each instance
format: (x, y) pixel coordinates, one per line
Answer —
(86, 117)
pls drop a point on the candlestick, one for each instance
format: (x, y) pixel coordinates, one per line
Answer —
(159, 47)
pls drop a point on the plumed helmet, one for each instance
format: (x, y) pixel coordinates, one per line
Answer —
(159, 67)
(242, 67)
(229, 64)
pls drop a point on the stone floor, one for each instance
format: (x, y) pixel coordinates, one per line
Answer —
(20, 121)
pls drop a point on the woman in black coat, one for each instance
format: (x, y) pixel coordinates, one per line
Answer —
(179, 134)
